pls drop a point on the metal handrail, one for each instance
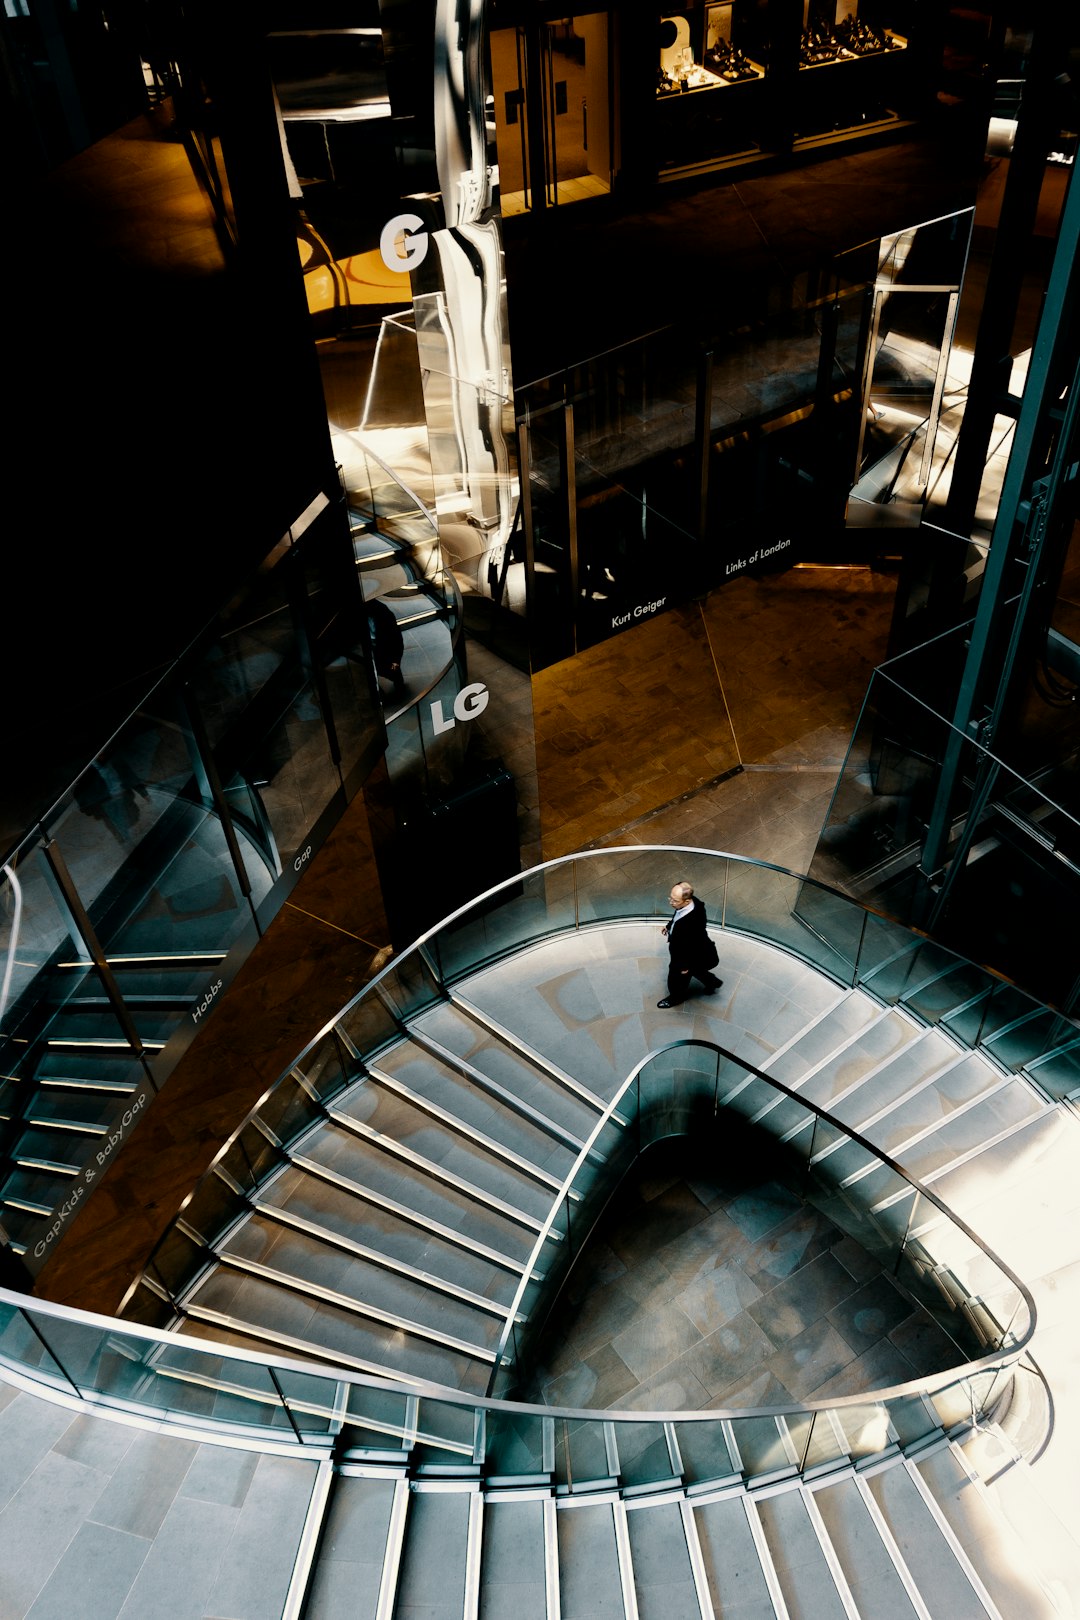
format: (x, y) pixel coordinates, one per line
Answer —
(982, 1363)
(407, 1385)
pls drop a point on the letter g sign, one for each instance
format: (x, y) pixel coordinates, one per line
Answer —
(402, 250)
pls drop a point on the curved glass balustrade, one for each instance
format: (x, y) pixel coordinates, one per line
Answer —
(194, 1384)
(400, 559)
(682, 1090)
(128, 905)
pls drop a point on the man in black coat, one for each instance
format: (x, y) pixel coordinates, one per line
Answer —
(692, 952)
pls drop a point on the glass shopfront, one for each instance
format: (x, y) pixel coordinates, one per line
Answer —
(554, 100)
(672, 465)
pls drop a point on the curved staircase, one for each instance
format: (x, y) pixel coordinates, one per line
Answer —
(402, 1200)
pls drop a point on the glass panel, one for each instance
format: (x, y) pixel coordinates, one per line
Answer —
(1058, 1073)
(911, 1418)
(837, 1158)
(835, 921)
(51, 992)
(551, 1264)
(581, 1456)
(312, 1400)
(177, 1259)
(446, 1433)
(194, 1382)
(675, 1093)
(543, 903)
(324, 1067)
(959, 1403)
(628, 884)
(250, 1158)
(290, 766)
(764, 1445)
(863, 1430)
(24, 1348)
(746, 1096)
(377, 1419)
(357, 722)
(515, 1444)
(211, 1209)
(405, 990)
(145, 1306)
(253, 640)
(289, 1111)
(704, 1451)
(235, 1165)
(35, 939)
(368, 1022)
(764, 903)
(644, 1457)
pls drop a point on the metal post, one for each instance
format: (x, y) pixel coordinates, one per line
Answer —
(703, 435)
(85, 928)
(944, 355)
(570, 483)
(1015, 523)
(206, 769)
(906, 1236)
(285, 1406)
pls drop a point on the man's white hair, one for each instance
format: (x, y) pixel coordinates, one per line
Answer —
(685, 889)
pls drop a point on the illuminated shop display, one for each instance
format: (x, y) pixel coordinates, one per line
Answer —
(765, 54)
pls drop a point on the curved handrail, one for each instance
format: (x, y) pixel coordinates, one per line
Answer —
(331, 1379)
(483, 902)
(421, 951)
(885, 1393)
(424, 511)
(409, 1385)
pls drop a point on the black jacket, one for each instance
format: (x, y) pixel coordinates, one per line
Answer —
(688, 941)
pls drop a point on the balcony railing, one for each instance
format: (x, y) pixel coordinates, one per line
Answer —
(196, 1386)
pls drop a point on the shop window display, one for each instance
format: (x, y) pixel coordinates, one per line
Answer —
(838, 33)
(696, 58)
(736, 79)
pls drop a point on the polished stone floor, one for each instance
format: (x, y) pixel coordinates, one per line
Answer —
(697, 1292)
(723, 720)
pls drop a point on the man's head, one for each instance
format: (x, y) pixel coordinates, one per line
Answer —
(681, 894)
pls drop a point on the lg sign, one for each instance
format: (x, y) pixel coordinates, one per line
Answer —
(403, 243)
(470, 701)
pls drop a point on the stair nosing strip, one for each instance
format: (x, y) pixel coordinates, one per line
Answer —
(892, 1548)
(355, 1307)
(516, 1044)
(325, 1359)
(447, 1234)
(337, 1240)
(304, 1561)
(75, 1126)
(949, 1535)
(47, 1166)
(968, 1107)
(486, 1083)
(898, 1102)
(765, 1559)
(437, 1172)
(461, 1127)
